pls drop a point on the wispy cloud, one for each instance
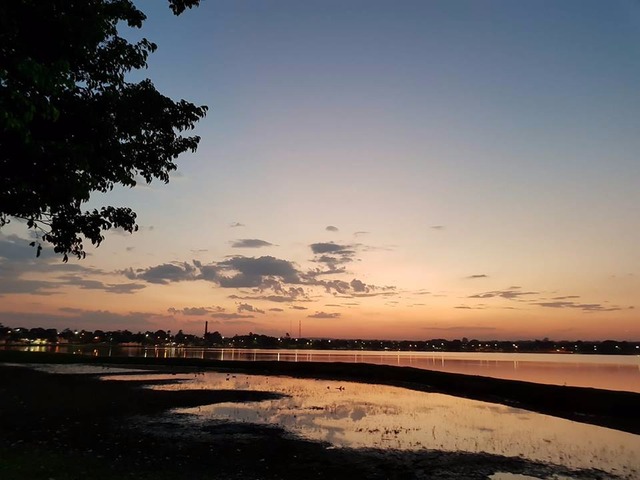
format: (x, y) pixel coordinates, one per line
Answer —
(18, 260)
(195, 311)
(511, 293)
(586, 307)
(230, 316)
(82, 318)
(461, 328)
(331, 228)
(324, 315)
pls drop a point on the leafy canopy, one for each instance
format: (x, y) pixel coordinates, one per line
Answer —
(70, 122)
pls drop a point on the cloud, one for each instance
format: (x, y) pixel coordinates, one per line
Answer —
(355, 288)
(230, 316)
(81, 318)
(17, 249)
(88, 284)
(236, 225)
(361, 233)
(124, 288)
(269, 278)
(331, 228)
(195, 311)
(271, 298)
(331, 268)
(324, 315)
(437, 227)
(330, 247)
(376, 248)
(276, 309)
(245, 307)
(163, 274)
(298, 307)
(587, 307)
(339, 286)
(17, 259)
(236, 272)
(252, 272)
(31, 287)
(250, 243)
(390, 292)
(512, 293)
(462, 328)
(482, 275)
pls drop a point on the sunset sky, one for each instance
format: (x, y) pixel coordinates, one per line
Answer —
(375, 169)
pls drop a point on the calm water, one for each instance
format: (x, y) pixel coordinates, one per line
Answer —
(358, 415)
(611, 372)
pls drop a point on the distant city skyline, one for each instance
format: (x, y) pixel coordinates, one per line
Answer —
(405, 170)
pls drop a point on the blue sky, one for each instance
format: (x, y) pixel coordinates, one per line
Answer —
(460, 148)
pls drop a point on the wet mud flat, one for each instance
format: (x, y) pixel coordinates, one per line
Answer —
(606, 408)
(77, 426)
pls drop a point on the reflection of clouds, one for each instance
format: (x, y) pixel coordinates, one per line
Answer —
(338, 412)
(358, 413)
(378, 416)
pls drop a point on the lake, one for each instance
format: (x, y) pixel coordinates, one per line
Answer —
(345, 414)
(610, 372)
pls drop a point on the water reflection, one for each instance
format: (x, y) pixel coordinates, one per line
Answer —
(358, 415)
(611, 372)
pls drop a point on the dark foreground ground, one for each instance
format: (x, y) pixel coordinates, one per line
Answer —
(75, 427)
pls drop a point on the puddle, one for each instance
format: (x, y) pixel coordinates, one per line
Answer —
(360, 415)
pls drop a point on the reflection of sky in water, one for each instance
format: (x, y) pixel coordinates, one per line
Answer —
(612, 372)
(361, 415)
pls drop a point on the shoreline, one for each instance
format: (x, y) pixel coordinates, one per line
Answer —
(71, 426)
(606, 408)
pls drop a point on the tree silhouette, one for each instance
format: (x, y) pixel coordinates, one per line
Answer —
(72, 124)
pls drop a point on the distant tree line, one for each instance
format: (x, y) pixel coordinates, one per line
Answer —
(166, 338)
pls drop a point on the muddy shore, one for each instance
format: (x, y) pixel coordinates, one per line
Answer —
(607, 408)
(76, 426)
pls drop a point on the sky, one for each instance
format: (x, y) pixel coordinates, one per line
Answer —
(375, 169)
